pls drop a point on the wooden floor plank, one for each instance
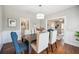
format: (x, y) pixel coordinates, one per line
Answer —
(66, 49)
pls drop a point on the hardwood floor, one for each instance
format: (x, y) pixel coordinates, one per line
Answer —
(61, 49)
(71, 49)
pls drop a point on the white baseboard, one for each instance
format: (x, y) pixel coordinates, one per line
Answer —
(76, 44)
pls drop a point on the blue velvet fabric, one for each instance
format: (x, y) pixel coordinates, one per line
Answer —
(50, 30)
(18, 46)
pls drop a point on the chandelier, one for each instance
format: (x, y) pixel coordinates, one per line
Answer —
(40, 15)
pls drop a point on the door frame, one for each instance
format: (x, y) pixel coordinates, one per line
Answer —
(64, 17)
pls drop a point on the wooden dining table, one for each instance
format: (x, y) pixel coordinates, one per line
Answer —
(30, 38)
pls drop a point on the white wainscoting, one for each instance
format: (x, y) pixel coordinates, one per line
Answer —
(69, 38)
(6, 37)
(0, 41)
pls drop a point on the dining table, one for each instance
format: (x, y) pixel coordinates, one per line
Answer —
(30, 38)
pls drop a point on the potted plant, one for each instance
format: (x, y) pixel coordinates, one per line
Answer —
(77, 35)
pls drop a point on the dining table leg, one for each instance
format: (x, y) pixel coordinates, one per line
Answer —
(30, 48)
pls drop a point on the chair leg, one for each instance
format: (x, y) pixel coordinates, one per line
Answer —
(22, 39)
(56, 44)
(52, 48)
(47, 50)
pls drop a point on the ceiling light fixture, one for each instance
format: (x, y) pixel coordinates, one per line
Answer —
(40, 15)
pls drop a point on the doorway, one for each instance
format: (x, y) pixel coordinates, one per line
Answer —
(57, 24)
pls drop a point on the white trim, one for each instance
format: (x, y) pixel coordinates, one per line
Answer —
(72, 43)
(46, 24)
(64, 18)
(1, 44)
(7, 38)
(57, 17)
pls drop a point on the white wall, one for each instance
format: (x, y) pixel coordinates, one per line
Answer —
(6, 37)
(12, 12)
(71, 24)
(0, 26)
(9, 12)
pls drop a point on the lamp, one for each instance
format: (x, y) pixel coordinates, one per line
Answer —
(40, 16)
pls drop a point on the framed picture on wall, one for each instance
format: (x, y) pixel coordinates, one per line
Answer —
(24, 23)
(11, 22)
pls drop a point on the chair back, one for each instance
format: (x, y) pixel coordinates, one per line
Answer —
(53, 36)
(14, 37)
(42, 41)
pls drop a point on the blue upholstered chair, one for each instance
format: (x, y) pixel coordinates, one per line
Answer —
(50, 30)
(19, 47)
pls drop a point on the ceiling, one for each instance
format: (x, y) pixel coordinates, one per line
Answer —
(46, 9)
